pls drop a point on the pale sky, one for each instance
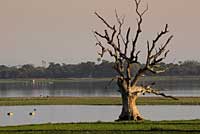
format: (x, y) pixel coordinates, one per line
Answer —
(61, 30)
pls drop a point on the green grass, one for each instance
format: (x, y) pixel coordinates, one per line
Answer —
(95, 101)
(144, 127)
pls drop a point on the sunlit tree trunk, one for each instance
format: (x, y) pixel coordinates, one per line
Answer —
(129, 108)
(134, 112)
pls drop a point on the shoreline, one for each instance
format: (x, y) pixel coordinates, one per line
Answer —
(145, 78)
(20, 101)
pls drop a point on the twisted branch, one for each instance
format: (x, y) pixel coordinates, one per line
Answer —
(148, 89)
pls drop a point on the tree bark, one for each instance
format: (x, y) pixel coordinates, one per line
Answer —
(125, 108)
(129, 108)
(134, 112)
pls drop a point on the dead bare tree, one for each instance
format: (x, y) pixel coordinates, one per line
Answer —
(123, 50)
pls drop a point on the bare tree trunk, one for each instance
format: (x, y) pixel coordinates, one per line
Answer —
(125, 108)
(129, 108)
(134, 112)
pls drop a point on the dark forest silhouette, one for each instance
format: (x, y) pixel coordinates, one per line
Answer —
(90, 70)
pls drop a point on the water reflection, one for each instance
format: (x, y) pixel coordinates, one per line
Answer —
(64, 114)
(91, 88)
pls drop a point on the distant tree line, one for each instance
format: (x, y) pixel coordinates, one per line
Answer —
(90, 70)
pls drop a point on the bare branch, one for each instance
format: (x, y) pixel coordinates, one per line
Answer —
(154, 59)
(120, 22)
(110, 82)
(147, 8)
(152, 70)
(103, 50)
(104, 21)
(127, 41)
(156, 92)
(100, 35)
(118, 66)
(139, 22)
(147, 89)
(116, 53)
(106, 36)
(161, 34)
(128, 75)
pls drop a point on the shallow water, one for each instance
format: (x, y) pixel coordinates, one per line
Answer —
(74, 113)
(92, 88)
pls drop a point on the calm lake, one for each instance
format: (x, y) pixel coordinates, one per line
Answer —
(59, 114)
(64, 114)
(92, 88)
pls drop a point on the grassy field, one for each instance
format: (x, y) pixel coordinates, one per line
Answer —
(144, 127)
(95, 101)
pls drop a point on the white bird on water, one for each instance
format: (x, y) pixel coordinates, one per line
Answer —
(32, 113)
(10, 113)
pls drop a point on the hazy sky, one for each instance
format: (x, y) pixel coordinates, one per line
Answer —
(61, 30)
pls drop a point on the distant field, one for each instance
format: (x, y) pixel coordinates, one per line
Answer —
(144, 127)
(95, 101)
(145, 78)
